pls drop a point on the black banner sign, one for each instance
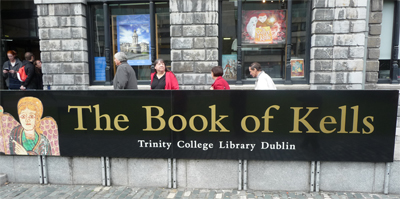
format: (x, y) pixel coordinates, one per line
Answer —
(254, 125)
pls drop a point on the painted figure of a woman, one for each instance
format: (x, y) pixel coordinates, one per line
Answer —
(27, 138)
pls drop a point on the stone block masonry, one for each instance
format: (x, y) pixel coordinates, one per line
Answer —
(338, 43)
(194, 41)
(63, 44)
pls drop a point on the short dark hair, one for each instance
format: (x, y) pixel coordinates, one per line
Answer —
(28, 56)
(36, 62)
(217, 71)
(255, 65)
(160, 61)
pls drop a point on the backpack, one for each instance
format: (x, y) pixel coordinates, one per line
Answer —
(22, 74)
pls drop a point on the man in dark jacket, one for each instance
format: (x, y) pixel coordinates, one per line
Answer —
(30, 82)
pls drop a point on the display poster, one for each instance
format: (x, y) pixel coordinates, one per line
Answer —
(281, 125)
(133, 38)
(297, 67)
(229, 65)
(264, 27)
(100, 68)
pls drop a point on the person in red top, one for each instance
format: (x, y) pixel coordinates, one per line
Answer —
(219, 83)
(163, 78)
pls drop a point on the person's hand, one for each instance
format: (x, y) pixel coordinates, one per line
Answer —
(5, 71)
(211, 88)
(22, 88)
(19, 149)
(12, 71)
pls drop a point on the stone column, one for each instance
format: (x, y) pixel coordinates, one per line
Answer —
(374, 42)
(338, 44)
(194, 41)
(63, 44)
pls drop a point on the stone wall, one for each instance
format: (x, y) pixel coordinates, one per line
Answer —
(194, 41)
(63, 45)
(374, 42)
(338, 44)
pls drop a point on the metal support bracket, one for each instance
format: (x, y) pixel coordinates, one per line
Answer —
(240, 175)
(40, 169)
(174, 173)
(245, 175)
(103, 171)
(44, 169)
(317, 176)
(312, 177)
(387, 175)
(108, 172)
(169, 173)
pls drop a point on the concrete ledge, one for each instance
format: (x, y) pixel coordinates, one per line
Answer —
(59, 1)
(3, 179)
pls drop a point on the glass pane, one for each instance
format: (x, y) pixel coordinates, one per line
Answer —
(299, 40)
(384, 69)
(163, 38)
(98, 36)
(264, 36)
(229, 39)
(134, 35)
(18, 21)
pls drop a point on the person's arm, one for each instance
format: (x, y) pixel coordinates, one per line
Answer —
(5, 70)
(174, 82)
(122, 78)
(30, 72)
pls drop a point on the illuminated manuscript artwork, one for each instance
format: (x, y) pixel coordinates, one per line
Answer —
(264, 27)
(32, 135)
(297, 67)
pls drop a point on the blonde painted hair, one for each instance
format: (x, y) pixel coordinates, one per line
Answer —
(33, 104)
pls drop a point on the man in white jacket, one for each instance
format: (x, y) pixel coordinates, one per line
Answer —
(264, 81)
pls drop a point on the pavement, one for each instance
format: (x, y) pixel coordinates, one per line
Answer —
(14, 190)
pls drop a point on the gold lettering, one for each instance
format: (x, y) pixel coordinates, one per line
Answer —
(369, 125)
(267, 117)
(98, 116)
(343, 120)
(322, 124)
(244, 126)
(171, 123)
(149, 116)
(80, 119)
(116, 121)
(218, 122)
(191, 123)
(355, 120)
(296, 120)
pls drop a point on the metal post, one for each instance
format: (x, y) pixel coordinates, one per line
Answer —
(152, 34)
(317, 176)
(40, 170)
(239, 43)
(395, 46)
(108, 172)
(169, 173)
(312, 181)
(174, 173)
(44, 169)
(387, 175)
(103, 171)
(107, 44)
(245, 175)
(240, 176)
(288, 72)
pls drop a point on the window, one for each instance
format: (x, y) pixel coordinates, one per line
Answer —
(263, 32)
(386, 41)
(130, 32)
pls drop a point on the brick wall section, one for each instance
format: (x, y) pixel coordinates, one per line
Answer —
(374, 42)
(194, 41)
(63, 46)
(338, 44)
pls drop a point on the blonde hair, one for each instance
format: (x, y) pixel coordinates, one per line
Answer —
(33, 104)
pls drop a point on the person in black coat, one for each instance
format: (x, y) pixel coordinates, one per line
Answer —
(30, 82)
(39, 74)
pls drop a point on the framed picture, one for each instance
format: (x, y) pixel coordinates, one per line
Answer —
(264, 27)
(229, 65)
(297, 67)
(133, 38)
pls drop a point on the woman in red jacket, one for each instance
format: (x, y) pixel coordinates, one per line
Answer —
(219, 83)
(163, 78)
